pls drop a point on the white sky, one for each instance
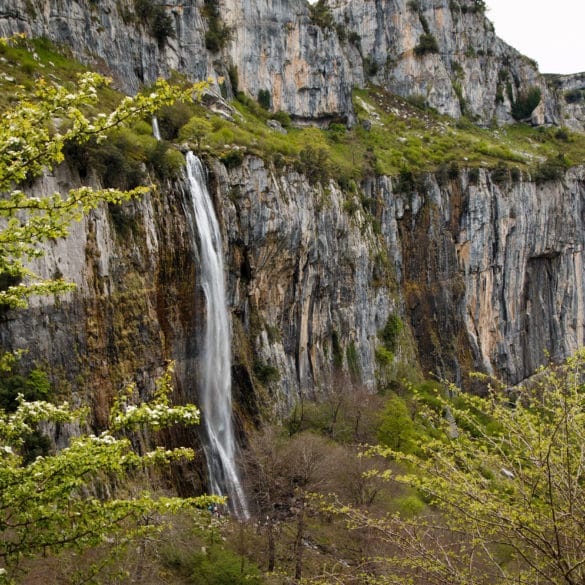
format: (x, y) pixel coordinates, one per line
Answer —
(552, 33)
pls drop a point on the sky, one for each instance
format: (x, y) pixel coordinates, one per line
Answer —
(552, 33)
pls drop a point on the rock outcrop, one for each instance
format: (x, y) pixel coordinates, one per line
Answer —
(444, 52)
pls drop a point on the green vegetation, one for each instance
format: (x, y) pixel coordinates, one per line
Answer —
(574, 96)
(219, 34)
(156, 18)
(526, 103)
(504, 475)
(47, 499)
(69, 499)
(321, 14)
(264, 99)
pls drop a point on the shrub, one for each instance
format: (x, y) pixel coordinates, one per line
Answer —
(172, 118)
(160, 23)
(370, 66)
(232, 159)
(397, 429)
(283, 118)
(266, 373)
(168, 163)
(353, 363)
(315, 164)
(526, 103)
(341, 32)
(354, 38)
(336, 350)
(161, 26)
(218, 34)
(390, 333)
(553, 169)
(573, 96)
(233, 76)
(427, 43)
(473, 175)
(144, 9)
(217, 37)
(418, 101)
(501, 174)
(321, 14)
(264, 98)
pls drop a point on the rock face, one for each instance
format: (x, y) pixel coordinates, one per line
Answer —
(114, 38)
(492, 273)
(483, 274)
(570, 91)
(444, 52)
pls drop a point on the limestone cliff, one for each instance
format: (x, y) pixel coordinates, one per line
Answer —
(443, 52)
(484, 274)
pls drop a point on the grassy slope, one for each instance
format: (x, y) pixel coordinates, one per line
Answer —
(392, 135)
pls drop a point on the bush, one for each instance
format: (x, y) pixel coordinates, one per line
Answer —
(144, 9)
(354, 38)
(427, 43)
(390, 333)
(232, 159)
(161, 26)
(321, 14)
(283, 118)
(172, 118)
(315, 164)
(233, 76)
(160, 23)
(526, 103)
(473, 176)
(264, 98)
(168, 163)
(353, 363)
(34, 386)
(218, 34)
(552, 169)
(501, 174)
(370, 66)
(397, 429)
(266, 373)
(573, 96)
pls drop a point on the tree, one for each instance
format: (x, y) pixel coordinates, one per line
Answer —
(53, 503)
(32, 136)
(67, 499)
(504, 477)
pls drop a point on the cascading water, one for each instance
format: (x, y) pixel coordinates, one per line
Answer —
(155, 130)
(215, 365)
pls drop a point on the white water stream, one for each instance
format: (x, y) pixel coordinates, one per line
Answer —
(155, 130)
(215, 362)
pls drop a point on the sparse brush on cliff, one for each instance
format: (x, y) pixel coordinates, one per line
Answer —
(160, 23)
(218, 34)
(526, 102)
(321, 15)
(427, 43)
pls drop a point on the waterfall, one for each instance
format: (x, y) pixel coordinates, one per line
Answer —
(215, 363)
(155, 130)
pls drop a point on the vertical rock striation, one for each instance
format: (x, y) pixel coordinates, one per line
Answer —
(442, 51)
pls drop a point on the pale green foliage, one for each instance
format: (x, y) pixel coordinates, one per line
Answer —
(52, 503)
(505, 480)
(32, 135)
(68, 499)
